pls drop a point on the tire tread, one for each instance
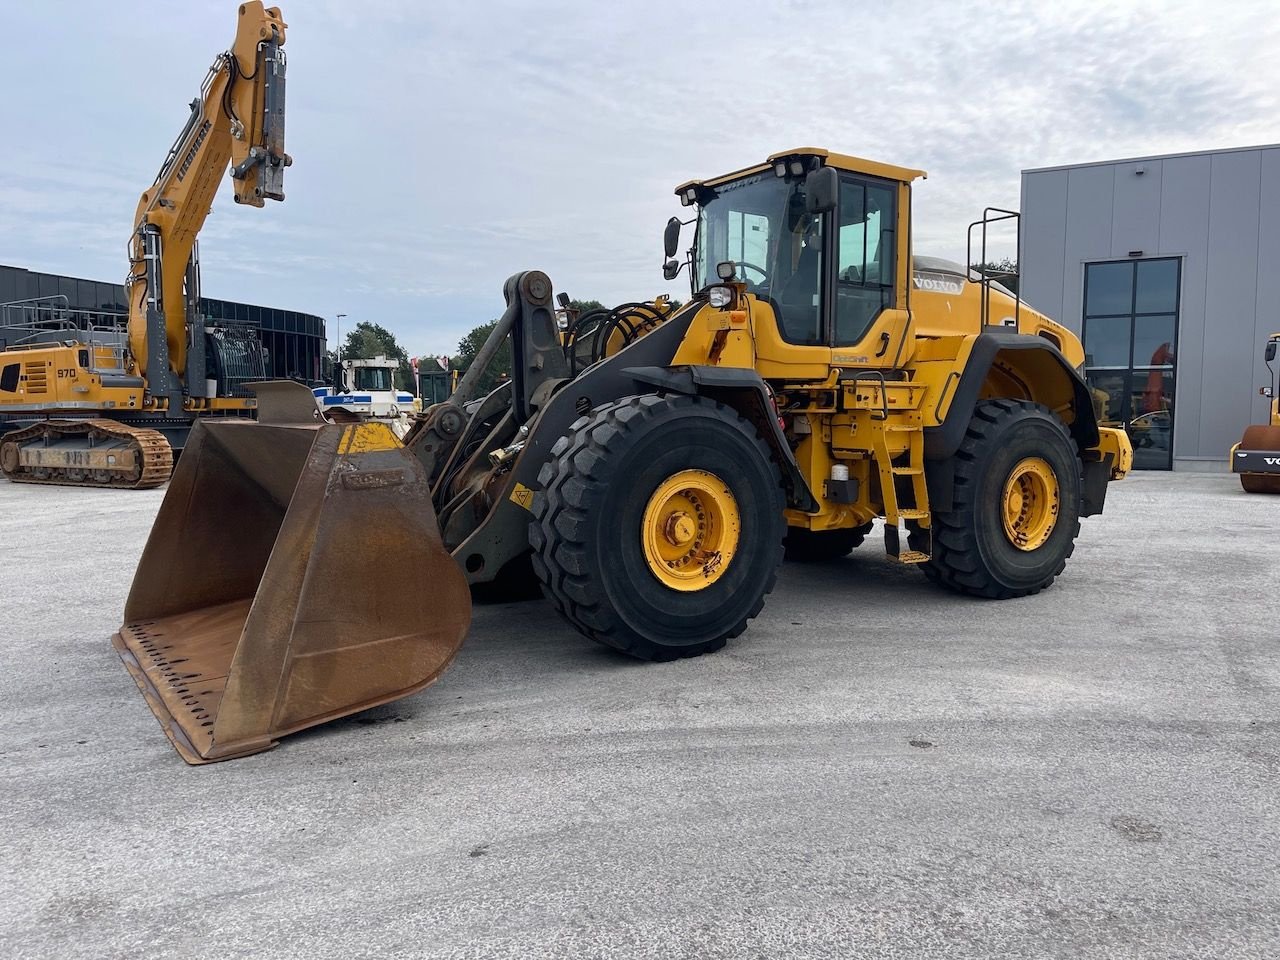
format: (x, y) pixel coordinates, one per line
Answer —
(571, 482)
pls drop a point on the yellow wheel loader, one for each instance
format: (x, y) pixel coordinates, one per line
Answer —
(646, 464)
(108, 408)
(1256, 458)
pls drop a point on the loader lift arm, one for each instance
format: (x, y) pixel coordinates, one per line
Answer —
(238, 119)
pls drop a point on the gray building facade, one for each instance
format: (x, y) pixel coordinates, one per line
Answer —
(1169, 269)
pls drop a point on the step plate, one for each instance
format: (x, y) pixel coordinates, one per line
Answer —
(910, 556)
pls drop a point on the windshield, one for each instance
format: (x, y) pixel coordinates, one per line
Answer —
(373, 378)
(760, 223)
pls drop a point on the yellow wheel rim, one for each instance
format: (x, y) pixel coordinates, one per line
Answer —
(690, 530)
(1031, 499)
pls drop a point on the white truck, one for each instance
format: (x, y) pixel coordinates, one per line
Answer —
(365, 390)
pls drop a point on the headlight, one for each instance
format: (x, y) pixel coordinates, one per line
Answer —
(720, 296)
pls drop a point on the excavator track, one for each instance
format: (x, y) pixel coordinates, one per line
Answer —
(87, 453)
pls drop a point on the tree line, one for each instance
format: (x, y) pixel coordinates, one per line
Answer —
(367, 340)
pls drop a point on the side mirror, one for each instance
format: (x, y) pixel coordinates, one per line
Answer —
(821, 190)
(670, 269)
(1269, 353)
(671, 237)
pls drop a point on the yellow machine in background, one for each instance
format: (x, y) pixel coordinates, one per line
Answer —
(120, 398)
(645, 464)
(1256, 458)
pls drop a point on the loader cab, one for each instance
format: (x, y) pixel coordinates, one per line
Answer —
(822, 240)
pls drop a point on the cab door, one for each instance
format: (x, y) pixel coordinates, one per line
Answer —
(870, 324)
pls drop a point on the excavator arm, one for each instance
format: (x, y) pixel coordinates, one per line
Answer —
(237, 120)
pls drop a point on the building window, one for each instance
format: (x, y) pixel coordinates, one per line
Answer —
(1130, 342)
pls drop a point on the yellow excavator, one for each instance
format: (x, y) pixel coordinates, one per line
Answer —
(649, 465)
(1256, 458)
(105, 408)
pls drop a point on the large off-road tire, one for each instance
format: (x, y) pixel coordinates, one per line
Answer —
(1015, 512)
(658, 528)
(820, 546)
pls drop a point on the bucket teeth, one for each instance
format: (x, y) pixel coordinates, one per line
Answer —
(295, 574)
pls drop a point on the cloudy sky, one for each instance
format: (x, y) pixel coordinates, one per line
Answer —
(441, 146)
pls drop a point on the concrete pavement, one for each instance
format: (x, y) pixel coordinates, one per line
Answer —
(876, 768)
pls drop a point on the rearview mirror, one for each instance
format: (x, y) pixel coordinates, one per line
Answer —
(671, 237)
(1270, 353)
(670, 269)
(821, 190)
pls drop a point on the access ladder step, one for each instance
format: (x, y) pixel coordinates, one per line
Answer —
(907, 471)
(910, 513)
(910, 556)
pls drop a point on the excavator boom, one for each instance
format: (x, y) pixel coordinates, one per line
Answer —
(237, 120)
(159, 368)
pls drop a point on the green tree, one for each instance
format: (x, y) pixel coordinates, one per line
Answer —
(370, 340)
(469, 346)
(500, 366)
(1003, 272)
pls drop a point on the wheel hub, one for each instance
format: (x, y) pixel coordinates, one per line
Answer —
(1030, 503)
(679, 529)
(690, 530)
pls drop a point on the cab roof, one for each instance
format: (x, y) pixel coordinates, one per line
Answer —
(841, 161)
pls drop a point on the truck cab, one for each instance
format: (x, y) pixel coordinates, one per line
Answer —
(364, 389)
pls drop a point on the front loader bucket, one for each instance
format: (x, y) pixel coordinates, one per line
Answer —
(294, 574)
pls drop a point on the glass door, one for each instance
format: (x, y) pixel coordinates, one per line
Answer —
(1130, 343)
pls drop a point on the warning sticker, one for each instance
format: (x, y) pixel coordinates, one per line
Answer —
(522, 496)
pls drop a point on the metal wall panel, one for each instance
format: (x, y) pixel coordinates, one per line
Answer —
(1044, 236)
(1230, 298)
(1135, 214)
(9, 278)
(1090, 200)
(1184, 231)
(1267, 314)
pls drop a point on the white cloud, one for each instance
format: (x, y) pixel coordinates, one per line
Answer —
(439, 148)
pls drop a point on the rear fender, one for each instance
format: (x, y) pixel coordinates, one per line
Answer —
(1023, 367)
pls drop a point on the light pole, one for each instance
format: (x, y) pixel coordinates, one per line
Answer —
(338, 351)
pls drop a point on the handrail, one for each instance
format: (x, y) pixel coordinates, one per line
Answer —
(985, 279)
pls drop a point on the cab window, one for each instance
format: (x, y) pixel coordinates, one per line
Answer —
(373, 378)
(865, 257)
(761, 224)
